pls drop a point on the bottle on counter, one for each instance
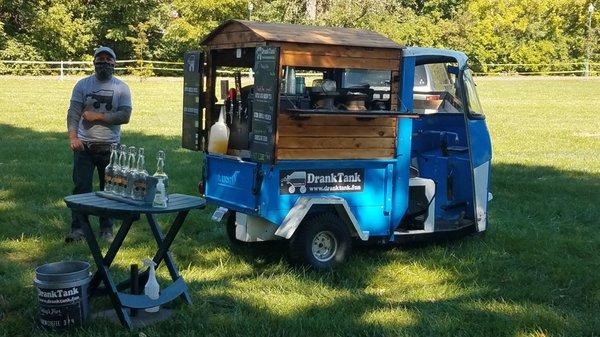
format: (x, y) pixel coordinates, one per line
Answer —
(111, 169)
(140, 177)
(218, 138)
(160, 172)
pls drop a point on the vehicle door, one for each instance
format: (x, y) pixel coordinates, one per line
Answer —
(480, 149)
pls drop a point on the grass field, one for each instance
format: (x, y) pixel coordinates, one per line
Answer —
(534, 273)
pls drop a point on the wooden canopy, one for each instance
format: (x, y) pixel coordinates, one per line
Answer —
(310, 46)
(236, 33)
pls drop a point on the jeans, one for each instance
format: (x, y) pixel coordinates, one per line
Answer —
(94, 156)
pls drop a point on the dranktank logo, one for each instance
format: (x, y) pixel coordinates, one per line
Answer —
(321, 181)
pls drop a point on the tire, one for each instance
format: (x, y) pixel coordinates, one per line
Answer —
(322, 241)
(230, 231)
(292, 189)
(303, 189)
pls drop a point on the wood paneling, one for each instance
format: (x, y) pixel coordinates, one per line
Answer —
(335, 137)
(329, 61)
(335, 143)
(336, 131)
(341, 51)
(290, 154)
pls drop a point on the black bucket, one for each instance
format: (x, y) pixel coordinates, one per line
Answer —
(62, 289)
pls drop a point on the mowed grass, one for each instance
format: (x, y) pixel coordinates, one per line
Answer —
(534, 273)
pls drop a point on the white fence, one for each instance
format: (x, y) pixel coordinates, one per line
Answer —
(149, 68)
(65, 67)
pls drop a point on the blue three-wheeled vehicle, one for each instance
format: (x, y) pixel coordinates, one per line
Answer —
(337, 135)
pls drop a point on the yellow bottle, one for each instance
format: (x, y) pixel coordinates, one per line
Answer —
(218, 138)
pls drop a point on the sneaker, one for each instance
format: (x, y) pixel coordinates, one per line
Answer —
(76, 235)
(106, 235)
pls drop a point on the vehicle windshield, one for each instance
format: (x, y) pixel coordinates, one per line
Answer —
(474, 104)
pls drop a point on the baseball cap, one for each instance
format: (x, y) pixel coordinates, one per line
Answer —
(107, 50)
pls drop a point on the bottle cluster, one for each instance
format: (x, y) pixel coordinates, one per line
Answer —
(126, 175)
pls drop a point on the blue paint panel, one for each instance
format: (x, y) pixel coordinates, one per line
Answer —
(367, 205)
(407, 80)
(230, 182)
(401, 171)
(481, 144)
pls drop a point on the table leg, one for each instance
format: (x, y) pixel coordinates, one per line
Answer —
(113, 249)
(105, 274)
(164, 243)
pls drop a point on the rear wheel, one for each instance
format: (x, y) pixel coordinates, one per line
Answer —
(321, 241)
(230, 231)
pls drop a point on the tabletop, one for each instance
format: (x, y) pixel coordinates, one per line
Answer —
(93, 204)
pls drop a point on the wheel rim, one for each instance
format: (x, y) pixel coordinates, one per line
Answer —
(324, 246)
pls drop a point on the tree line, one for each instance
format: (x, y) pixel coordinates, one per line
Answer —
(530, 35)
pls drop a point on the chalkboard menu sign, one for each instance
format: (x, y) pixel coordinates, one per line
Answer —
(264, 106)
(193, 130)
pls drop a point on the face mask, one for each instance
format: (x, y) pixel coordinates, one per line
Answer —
(104, 70)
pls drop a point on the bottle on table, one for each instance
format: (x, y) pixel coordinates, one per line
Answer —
(160, 172)
(140, 177)
(131, 169)
(119, 185)
(160, 197)
(111, 169)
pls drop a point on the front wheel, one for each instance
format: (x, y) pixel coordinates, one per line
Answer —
(321, 241)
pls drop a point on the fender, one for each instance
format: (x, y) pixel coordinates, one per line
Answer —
(300, 210)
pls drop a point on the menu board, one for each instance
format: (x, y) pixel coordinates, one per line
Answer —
(193, 135)
(264, 105)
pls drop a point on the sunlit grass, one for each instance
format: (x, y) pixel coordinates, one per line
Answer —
(534, 273)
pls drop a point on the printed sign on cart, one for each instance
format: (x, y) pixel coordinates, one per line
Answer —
(264, 105)
(321, 181)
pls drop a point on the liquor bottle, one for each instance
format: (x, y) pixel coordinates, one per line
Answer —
(160, 172)
(120, 184)
(131, 169)
(110, 170)
(160, 197)
(139, 179)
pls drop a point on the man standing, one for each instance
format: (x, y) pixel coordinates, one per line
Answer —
(100, 103)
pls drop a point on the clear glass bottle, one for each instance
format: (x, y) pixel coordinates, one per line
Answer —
(120, 176)
(140, 177)
(131, 169)
(111, 170)
(160, 172)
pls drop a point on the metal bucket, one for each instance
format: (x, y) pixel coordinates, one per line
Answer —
(63, 298)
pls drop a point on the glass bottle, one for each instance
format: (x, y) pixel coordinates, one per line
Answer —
(131, 169)
(122, 161)
(139, 179)
(160, 172)
(110, 170)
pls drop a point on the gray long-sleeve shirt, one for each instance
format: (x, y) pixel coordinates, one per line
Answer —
(111, 98)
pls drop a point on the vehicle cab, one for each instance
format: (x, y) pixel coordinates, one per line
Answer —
(338, 135)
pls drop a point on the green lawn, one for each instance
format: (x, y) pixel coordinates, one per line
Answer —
(534, 273)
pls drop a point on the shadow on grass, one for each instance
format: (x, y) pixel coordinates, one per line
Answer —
(532, 272)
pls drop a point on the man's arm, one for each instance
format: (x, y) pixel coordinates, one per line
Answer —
(73, 116)
(121, 116)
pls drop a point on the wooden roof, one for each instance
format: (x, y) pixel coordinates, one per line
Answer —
(230, 32)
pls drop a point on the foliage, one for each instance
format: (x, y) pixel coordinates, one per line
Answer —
(533, 32)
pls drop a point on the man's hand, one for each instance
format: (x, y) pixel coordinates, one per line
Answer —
(91, 116)
(75, 143)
